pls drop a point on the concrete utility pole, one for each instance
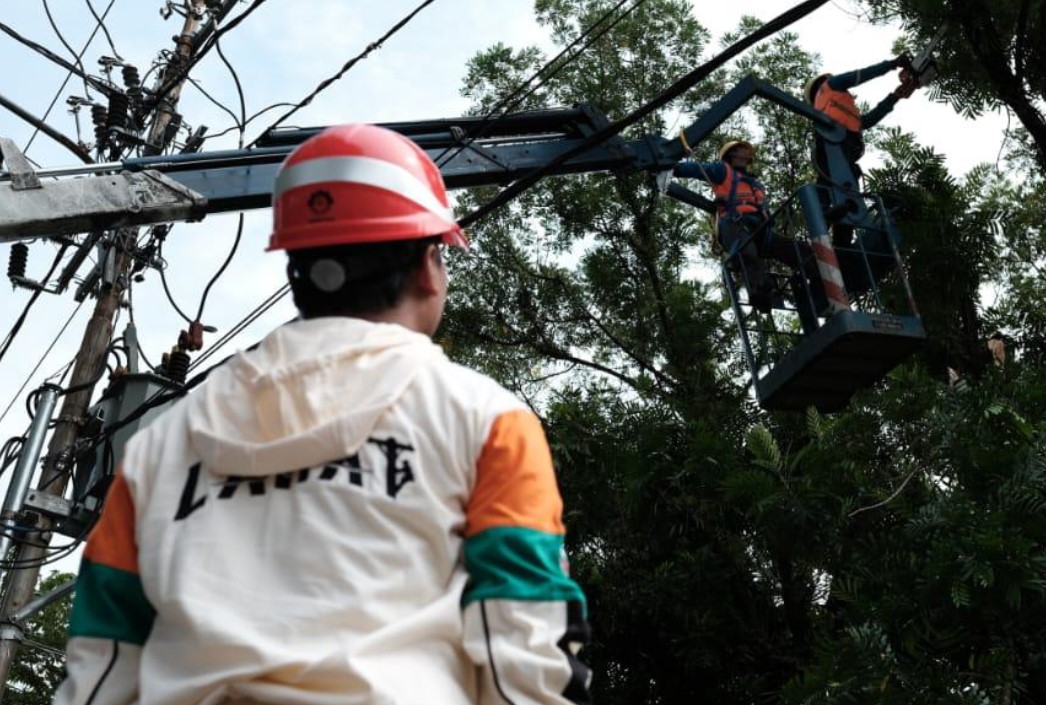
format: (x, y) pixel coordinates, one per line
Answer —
(87, 372)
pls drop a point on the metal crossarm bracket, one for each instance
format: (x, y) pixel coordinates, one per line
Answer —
(22, 175)
(70, 206)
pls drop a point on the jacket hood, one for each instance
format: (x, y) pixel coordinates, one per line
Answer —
(311, 392)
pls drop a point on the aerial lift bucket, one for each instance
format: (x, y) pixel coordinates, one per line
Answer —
(839, 323)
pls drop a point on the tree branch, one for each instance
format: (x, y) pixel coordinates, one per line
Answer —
(987, 48)
(1020, 58)
(660, 376)
(551, 349)
(889, 499)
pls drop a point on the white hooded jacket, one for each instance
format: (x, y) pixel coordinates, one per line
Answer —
(340, 516)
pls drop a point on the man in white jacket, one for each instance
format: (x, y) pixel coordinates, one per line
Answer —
(341, 516)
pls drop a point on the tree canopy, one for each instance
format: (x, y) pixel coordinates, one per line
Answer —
(993, 54)
(39, 667)
(890, 553)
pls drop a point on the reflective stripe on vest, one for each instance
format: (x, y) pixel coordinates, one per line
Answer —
(838, 105)
(738, 194)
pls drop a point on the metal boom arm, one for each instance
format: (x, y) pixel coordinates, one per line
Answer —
(470, 151)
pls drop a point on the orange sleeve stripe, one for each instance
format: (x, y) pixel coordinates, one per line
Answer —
(112, 541)
(515, 479)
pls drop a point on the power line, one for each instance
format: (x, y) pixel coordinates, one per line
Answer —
(61, 38)
(242, 123)
(42, 126)
(200, 51)
(682, 85)
(258, 311)
(101, 24)
(43, 357)
(249, 120)
(97, 84)
(514, 99)
(376, 44)
(69, 74)
(13, 333)
(214, 101)
(166, 288)
(221, 270)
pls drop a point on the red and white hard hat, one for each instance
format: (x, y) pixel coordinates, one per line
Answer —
(355, 184)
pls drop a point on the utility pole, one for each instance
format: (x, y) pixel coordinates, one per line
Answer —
(87, 372)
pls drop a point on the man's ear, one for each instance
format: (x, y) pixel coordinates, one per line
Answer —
(430, 269)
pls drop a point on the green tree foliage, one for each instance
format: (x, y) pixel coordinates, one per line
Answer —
(937, 589)
(951, 228)
(591, 278)
(892, 553)
(1022, 262)
(39, 667)
(993, 55)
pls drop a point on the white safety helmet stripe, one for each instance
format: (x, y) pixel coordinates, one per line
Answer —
(362, 170)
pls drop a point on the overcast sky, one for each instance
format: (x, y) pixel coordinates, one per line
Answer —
(281, 52)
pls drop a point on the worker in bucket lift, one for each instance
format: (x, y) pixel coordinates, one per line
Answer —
(340, 515)
(831, 95)
(742, 226)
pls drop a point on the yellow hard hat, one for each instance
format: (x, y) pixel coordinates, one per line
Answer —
(735, 143)
(815, 82)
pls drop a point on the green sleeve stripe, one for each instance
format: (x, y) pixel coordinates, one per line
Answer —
(515, 563)
(110, 604)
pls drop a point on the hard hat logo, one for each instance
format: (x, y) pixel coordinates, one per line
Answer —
(356, 184)
(320, 202)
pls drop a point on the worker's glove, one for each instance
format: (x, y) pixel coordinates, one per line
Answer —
(906, 89)
(663, 179)
(904, 61)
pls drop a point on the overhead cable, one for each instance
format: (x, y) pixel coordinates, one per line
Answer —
(249, 120)
(242, 123)
(214, 101)
(61, 37)
(69, 74)
(51, 132)
(13, 333)
(43, 357)
(376, 44)
(526, 89)
(95, 83)
(221, 269)
(202, 50)
(258, 311)
(682, 85)
(101, 25)
(166, 288)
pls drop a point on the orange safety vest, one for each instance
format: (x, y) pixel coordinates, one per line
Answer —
(838, 105)
(738, 194)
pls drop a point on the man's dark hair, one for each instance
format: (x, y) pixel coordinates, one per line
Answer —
(353, 280)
